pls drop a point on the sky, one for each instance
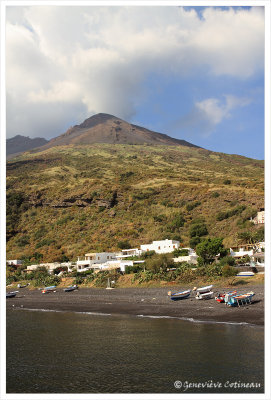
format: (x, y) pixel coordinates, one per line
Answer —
(194, 73)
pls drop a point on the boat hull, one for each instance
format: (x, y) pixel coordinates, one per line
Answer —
(204, 296)
(205, 289)
(180, 295)
(175, 298)
(10, 295)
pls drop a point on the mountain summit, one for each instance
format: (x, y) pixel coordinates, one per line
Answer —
(106, 128)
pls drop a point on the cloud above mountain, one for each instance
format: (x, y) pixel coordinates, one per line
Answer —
(77, 61)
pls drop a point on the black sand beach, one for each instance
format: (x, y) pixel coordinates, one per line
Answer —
(144, 302)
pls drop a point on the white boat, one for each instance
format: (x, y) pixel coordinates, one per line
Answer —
(246, 273)
(179, 295)
(204, 289)
(204, 296)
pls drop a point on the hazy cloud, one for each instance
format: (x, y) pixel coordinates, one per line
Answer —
(208, 113)
(77, 61)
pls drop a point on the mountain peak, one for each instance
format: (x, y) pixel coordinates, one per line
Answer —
(107, 128)
(95, 120)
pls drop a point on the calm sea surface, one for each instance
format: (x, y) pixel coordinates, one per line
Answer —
(57, 352)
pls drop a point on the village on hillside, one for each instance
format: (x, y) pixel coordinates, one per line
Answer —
(247, 255)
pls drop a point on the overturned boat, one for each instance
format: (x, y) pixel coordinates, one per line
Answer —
(204, 296)
(70, 288)
(10, 295)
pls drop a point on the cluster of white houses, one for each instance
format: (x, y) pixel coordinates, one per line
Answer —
(119, 260)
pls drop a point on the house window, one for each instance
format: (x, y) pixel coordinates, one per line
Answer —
(98, 258)
(108, 257)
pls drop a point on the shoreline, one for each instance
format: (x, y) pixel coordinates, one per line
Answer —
(143, 302)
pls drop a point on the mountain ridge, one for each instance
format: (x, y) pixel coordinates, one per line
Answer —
(107, 128)
(19, 143)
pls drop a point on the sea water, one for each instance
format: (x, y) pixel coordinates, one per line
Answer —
(68, 352)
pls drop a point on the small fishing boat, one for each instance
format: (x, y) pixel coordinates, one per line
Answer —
(48, 289)
(246, 273)
(221, 296)
(10, 294)
(20, 286)
(240, 300)
(70, 288)
(179, 295)
(204, 289)
(204, 296)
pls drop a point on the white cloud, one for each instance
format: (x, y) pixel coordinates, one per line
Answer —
(208, 113)
(95, 59)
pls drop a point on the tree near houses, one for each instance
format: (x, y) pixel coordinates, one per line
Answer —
(209, 248)
(159, 263)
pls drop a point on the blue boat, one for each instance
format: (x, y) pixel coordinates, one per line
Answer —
(240, 299)
(179, 295)
(48, 289)
(70, 288)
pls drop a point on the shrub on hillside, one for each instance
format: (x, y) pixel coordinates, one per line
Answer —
(227, 271)
(159, 263)
(227, 260)
(180, 252)
(194, 241)
(124, 244)
(192, 205)
(198, 229)
(176, 223)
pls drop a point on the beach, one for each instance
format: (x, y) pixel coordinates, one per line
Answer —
(148, 302)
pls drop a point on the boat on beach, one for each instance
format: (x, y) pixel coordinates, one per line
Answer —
(220, 298)
(70, 288)
(179, 295)
(20, 286)
(48, 289)
(245, 273)
(204, 293)
(204, 289)
(204, 296)
(10, 295)
(239, 300)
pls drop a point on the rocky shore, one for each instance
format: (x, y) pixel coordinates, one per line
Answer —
(143, 302)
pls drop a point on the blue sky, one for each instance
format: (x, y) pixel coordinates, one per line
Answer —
(194, 73)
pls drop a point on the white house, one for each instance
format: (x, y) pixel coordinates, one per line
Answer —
(128, 253)
(94, 258)
(161, 246)
(241, 252)
(191, 258)
(16, 263)
(258, 259)
(50, 266)
(259, 219)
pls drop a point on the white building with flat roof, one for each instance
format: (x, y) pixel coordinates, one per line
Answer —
(128, 253)
(94, 258)
(260, 218)
(16, 263)
(161, 246)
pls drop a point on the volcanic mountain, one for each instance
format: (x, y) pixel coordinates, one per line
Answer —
(20, 143)
(106, 128)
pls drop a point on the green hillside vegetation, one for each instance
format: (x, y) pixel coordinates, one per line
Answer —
(66, 201)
